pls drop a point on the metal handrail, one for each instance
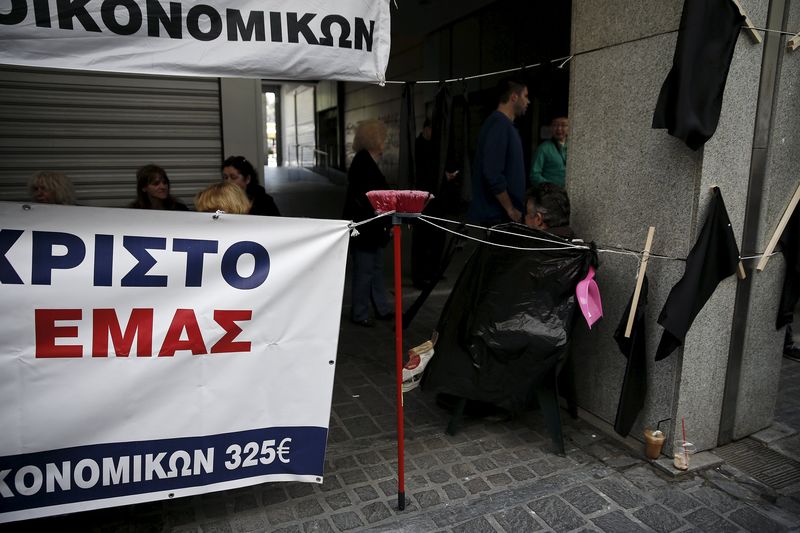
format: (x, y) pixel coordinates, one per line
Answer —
(317, 155)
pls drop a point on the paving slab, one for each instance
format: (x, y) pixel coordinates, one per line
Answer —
(775, 432)
(697, 462)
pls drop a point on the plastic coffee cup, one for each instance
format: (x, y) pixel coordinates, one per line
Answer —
(680, 454)
(653, 442)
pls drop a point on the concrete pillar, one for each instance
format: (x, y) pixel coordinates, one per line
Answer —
(624, 176)
(776, 161)
(243, 121)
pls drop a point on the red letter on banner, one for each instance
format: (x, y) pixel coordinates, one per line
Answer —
(105, 322)
(46, 333)
(227, 319)
(184, 318)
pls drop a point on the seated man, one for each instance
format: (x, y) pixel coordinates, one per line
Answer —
(547, 209)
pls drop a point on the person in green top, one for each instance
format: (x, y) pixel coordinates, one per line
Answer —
(550, 160)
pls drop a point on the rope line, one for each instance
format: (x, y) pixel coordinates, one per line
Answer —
(465, 236)
(772, 31)
(473, 226)
(623, 250)
(564, 60)
(428, 219)
(743, 258)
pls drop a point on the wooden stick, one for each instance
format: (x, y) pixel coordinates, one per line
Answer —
(794, 42)
(748, 23)
(639, 281)
(773, 242)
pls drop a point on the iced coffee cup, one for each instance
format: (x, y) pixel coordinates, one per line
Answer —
(653, 441)
(681, 451)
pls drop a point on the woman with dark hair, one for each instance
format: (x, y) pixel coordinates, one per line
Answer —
(238, 170)
(152, 190)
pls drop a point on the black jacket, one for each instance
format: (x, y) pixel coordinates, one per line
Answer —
(362, 177)
(263, 204)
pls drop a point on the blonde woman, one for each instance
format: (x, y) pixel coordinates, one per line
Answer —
(367, 248)
(223, 196)
(51, 188)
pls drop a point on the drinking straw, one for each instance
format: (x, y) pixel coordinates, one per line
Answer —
(685, 452)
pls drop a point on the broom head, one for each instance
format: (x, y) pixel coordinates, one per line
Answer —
(382, 201)
(386, 201)
(412, 201)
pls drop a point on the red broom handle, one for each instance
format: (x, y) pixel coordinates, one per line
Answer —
(398, 338)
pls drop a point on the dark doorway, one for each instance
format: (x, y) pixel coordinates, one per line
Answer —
(328, 137)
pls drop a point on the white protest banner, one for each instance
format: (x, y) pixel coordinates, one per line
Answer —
(347, 40)
(149, 354)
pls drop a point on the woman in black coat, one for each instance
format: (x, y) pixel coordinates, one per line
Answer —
(238, 170)
(367, 247)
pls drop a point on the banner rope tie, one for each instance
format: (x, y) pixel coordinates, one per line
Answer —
(367, 221)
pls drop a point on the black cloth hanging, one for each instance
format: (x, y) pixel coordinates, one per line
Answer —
(713, 258)
(691, 97)
(790, 246)
(455, 156)
(441, 120)
(463, 157)
(408, 132)
(634, 384)
(427, 243)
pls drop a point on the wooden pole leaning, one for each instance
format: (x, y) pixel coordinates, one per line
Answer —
(748, 24)
(639, 280)
(773, 242)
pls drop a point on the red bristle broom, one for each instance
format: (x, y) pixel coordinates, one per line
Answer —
(406, 205)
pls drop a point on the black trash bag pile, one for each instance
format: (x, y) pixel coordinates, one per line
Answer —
(508, 320)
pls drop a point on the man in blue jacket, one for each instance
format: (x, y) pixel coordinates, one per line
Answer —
(498, 185)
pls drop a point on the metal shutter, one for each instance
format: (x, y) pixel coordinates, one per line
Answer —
(100, 128)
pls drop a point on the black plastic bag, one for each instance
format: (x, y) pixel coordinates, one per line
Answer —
(508, 320)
